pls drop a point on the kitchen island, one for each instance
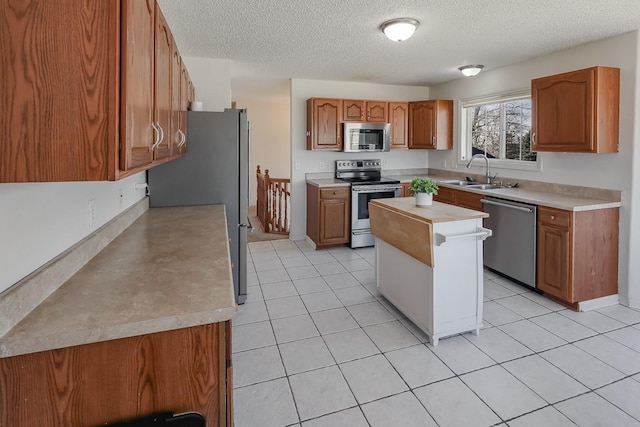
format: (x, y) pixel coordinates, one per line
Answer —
(429, 263)
(144, 327)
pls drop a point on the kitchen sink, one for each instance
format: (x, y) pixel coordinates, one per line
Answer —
(458, 183)
(483, 186)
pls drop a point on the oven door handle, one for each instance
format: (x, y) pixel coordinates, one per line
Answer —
(372, 189)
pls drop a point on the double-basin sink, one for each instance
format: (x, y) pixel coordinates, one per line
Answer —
(470, 184)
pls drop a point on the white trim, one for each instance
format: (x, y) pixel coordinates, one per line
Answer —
(496, 97)
(594, 304)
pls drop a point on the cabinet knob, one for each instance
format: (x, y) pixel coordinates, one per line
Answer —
(553, 217)
(308, 133)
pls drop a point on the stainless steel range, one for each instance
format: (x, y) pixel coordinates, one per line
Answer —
(367, 183)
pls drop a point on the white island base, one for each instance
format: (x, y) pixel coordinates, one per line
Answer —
(443, 299)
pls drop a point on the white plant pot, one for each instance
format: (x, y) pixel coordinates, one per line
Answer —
(424, 199)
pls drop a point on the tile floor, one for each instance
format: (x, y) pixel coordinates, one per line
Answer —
(316, 345)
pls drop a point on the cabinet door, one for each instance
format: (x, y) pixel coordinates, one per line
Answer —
(323, 124)
(353, 110)
(445, 195)
(553, 272)
(163, 60)
(422, 126)
(406, 192)
(334, 221)
(176, 84)
(377, 111)
(468, 199)
(576, 111)
(399, 119)
(185, 93)
(137, 86)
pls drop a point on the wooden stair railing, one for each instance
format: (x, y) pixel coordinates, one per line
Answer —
(273, 202)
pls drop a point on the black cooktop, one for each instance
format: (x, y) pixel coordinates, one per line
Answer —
(370, 180)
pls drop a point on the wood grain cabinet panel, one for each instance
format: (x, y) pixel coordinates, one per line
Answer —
(576, 111)
(324, 129)
(445, 195)
(431, 124)
(399, 119)
(328, 215)
(358, 110)
(81, 96)
(105, 382)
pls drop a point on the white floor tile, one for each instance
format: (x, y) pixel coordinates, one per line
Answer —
(523, 306)
(372, 378)
(452, 404)
(418, 366)
(250, 312)
(397, 314)
(354, 295)
(582, 366)
(612, 353)
(330, 268)
(254, 294)
(269, 255)
(252, 279)
(460, 355)
(283, 244)
(366, 252)
(625, 395)
(320, 392)
(294, 328)
(311, 285)
(593, 320)
(545, 379)
(302, 272)
(355, 264)
(260, 246)
(320, 258)
(278, 290)
(289, 253)
(592, 410)
(305, 355)
(494, 291)
(417, 332)
(297, 261)
(544, 301)
(252, 335)
(268, 404)
(373, 290)
(629, 337)
(370, 313)
(350, 345)
(285, 307)
(344, 254)
(507, 396)
(621, 313)
(339, 281)
(547, 417)
(347, 418)
(400, 410)
(532, 335)
(331, 321)
(273, 276)
(391, 336)
(514, 287)
(267, 265)
(255, 366)
(497, 314)
(304, 246)
(563, 327)
(498, 345)
(321, 301)
(365, 277)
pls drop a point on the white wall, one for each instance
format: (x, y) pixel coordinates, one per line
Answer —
(212, 81)
(270, 139)
(305, 161)
(38, 221)
(612, 171)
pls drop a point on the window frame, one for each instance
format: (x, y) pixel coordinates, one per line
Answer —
(464, 145)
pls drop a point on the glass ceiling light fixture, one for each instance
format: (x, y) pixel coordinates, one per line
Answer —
(399, 29)
(471, 70)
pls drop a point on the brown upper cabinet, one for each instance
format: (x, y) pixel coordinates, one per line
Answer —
(431, 124)
(324, 129)
(399, 119)
(364, 111)
(576, 111)
(85, 104)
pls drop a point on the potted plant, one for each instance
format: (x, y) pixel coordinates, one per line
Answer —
(424, 189)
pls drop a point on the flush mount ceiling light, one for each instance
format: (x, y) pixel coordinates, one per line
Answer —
(471, 70)
(399, 29)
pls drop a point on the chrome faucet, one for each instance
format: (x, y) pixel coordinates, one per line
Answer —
(481, 156)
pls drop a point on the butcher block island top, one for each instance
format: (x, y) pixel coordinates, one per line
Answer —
(169, 270)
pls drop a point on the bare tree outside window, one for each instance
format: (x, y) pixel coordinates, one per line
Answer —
(502, 130)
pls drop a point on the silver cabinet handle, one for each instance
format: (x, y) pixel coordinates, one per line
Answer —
(183, 138)
(161, 136)
(157, 137)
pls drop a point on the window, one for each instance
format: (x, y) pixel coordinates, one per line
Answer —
(500, 128)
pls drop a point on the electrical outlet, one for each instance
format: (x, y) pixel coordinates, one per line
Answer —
(444, 164)
(297, 166)
(321, 165)
(120, 199)
(385, 162)
(92, 213)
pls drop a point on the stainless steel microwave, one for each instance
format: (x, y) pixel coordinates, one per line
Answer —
(366, 137)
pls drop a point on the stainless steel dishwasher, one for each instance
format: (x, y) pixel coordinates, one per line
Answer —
(511, 251)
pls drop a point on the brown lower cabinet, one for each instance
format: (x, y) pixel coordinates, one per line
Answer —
(577, 253)
(175, 371)
(328, 215)
(465, 199)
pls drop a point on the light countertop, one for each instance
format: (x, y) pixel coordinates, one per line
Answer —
(169, 270)
(438, 212)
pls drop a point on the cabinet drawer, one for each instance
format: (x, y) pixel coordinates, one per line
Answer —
(445, 195)
(334, 193)
(554, 217)
(469, 200)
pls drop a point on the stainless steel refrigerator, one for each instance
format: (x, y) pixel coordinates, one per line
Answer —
(214, 170)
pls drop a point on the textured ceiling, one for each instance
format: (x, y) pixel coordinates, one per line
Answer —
(270, 42)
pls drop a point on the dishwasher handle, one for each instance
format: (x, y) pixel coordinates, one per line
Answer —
(506, 205)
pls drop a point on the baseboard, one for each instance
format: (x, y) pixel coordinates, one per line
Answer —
(596, 303)
(20, 299)
(630, 302)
